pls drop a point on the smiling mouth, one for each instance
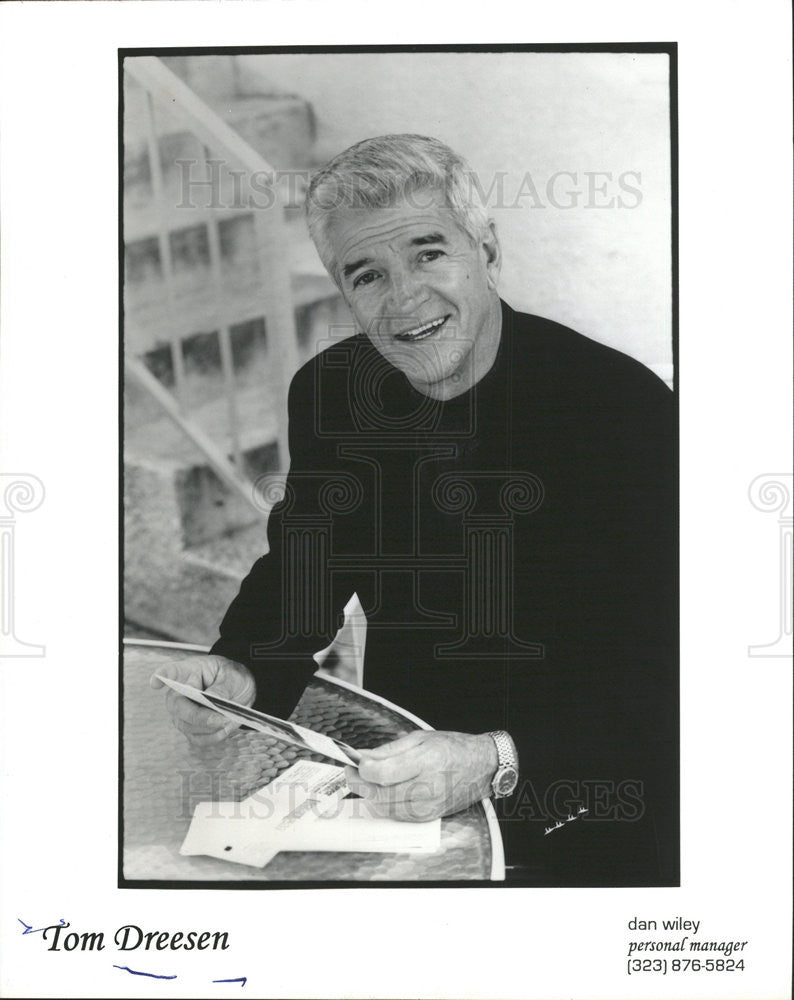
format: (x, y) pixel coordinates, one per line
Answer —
(422, 332)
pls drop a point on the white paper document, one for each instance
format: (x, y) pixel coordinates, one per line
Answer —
(352, 826)
(304, 809)
(238, 831)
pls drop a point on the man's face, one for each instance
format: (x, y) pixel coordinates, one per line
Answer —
(420, 290)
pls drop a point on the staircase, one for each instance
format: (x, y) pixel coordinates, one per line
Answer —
(224, 297)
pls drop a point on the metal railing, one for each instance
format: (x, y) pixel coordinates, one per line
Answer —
(165, 90)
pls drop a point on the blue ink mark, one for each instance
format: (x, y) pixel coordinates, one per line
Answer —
(29, 929)
(151, 975)
(242, 980)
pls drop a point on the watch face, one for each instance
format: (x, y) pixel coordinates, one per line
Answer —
(506, 780)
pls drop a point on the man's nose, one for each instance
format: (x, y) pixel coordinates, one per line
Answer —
(405, 290)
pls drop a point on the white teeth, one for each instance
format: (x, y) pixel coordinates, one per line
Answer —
(422, 331)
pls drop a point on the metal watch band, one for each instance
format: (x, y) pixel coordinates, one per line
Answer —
(505, 749)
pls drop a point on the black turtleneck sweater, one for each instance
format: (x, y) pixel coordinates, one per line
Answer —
(515, 551)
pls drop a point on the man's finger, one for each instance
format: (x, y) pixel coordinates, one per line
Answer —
(171, 671)
(184, 710)
(186, 673)
(232, 689)
(201, 738)
(392, 770)
(384, 794)
(410, 802)
(409, 810)
(400, 745)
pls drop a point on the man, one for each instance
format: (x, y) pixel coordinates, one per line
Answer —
(500, 495)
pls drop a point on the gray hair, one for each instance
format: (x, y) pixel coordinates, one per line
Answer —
(376, 173)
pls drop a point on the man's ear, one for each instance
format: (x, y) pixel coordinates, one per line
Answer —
(493, 254)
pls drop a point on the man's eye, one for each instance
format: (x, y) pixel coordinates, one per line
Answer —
(429, 255)
(364, 279)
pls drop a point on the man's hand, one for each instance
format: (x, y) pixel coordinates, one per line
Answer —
(215, 674)
(425, 774)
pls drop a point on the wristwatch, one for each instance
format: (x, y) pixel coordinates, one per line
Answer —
(506, 778)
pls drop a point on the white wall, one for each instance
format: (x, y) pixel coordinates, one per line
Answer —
(603, 270)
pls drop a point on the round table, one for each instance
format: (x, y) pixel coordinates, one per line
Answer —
(164, 778)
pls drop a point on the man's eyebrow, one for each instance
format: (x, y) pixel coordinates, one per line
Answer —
(420, 241)
(348, 269)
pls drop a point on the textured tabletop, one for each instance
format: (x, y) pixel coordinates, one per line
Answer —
(164, 779)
